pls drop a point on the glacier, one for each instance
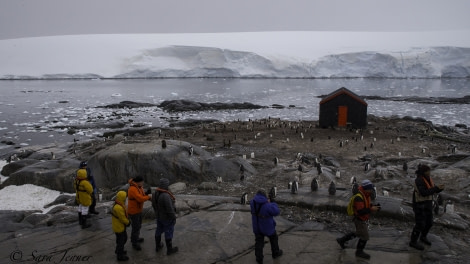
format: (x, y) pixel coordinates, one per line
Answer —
(236, 55)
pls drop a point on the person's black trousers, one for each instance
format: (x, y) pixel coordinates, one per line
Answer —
(136, 223)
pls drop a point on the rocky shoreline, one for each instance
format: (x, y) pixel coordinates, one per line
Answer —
(233, 158)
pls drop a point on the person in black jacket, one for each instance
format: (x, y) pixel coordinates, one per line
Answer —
(424, 189)
(163, 203)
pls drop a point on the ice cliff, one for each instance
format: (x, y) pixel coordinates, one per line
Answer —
(229, 56)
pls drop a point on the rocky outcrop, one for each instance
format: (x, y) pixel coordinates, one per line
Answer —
(114, 165)
(187, 105)
(52, 174)
(118, 163)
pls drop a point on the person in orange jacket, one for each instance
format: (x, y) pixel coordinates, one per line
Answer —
(136, 198)
(362, 210)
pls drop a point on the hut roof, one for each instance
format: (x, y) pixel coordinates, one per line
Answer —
(341, 91)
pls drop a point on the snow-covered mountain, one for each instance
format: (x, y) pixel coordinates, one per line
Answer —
(260, 54)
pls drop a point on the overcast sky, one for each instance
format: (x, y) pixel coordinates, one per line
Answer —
(31, 18)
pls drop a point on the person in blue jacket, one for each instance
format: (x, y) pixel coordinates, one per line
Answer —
(263, 211)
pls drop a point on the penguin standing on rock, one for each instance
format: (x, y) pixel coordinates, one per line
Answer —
(332, 188)
(190, 150)
(314, 185)
(319, 169)
(276, 161)
(244, 199)
(295, 187)
(272, 193)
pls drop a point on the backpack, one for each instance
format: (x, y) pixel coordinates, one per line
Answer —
(350, 208)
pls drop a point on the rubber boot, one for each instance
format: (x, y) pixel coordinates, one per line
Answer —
(84, 222)
(158, 243)
(169, 247)
(80, 221)
(424, 239)
(361, 244)
(414, 241)
(122, 257)
(342, 240)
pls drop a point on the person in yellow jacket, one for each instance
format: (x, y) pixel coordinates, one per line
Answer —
(83, 192)
(120, 220)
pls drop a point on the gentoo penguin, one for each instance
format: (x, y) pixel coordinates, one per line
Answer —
(332, 188)
(319, 169)
(244, 199)
(314, 185)
(276, 161)
(295, 187)
(273, 193)
(163, 144)
(190, 150)
(405, 166)
(367, 167)
(353, 180)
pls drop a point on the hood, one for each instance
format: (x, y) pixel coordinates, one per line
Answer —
(121, 197)
(259, 198)
(81, 174)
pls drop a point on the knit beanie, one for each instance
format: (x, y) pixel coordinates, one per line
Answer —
(164, 183)
(138, 179)
(367, 185)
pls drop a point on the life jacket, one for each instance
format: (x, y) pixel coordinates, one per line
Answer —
(417, 196)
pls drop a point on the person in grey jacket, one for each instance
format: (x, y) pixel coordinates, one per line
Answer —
(163, 203)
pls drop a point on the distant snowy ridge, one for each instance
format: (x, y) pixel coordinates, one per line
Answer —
(233, 55)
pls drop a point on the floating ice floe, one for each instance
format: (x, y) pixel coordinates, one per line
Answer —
(116, 95)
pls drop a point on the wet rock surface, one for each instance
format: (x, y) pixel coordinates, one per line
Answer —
(215, 229)
(242, 157)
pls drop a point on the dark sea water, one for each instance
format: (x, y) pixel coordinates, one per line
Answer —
(30, 109)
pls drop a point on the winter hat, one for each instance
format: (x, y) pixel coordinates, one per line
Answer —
(422, 169)
(83, 164)
(262, 192)
(164, 183)
(367, 185)
(138, 179)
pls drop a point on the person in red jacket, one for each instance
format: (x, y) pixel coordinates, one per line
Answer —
(135, 203)
(362, 209)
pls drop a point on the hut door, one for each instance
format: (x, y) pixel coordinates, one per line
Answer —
(342, 116)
